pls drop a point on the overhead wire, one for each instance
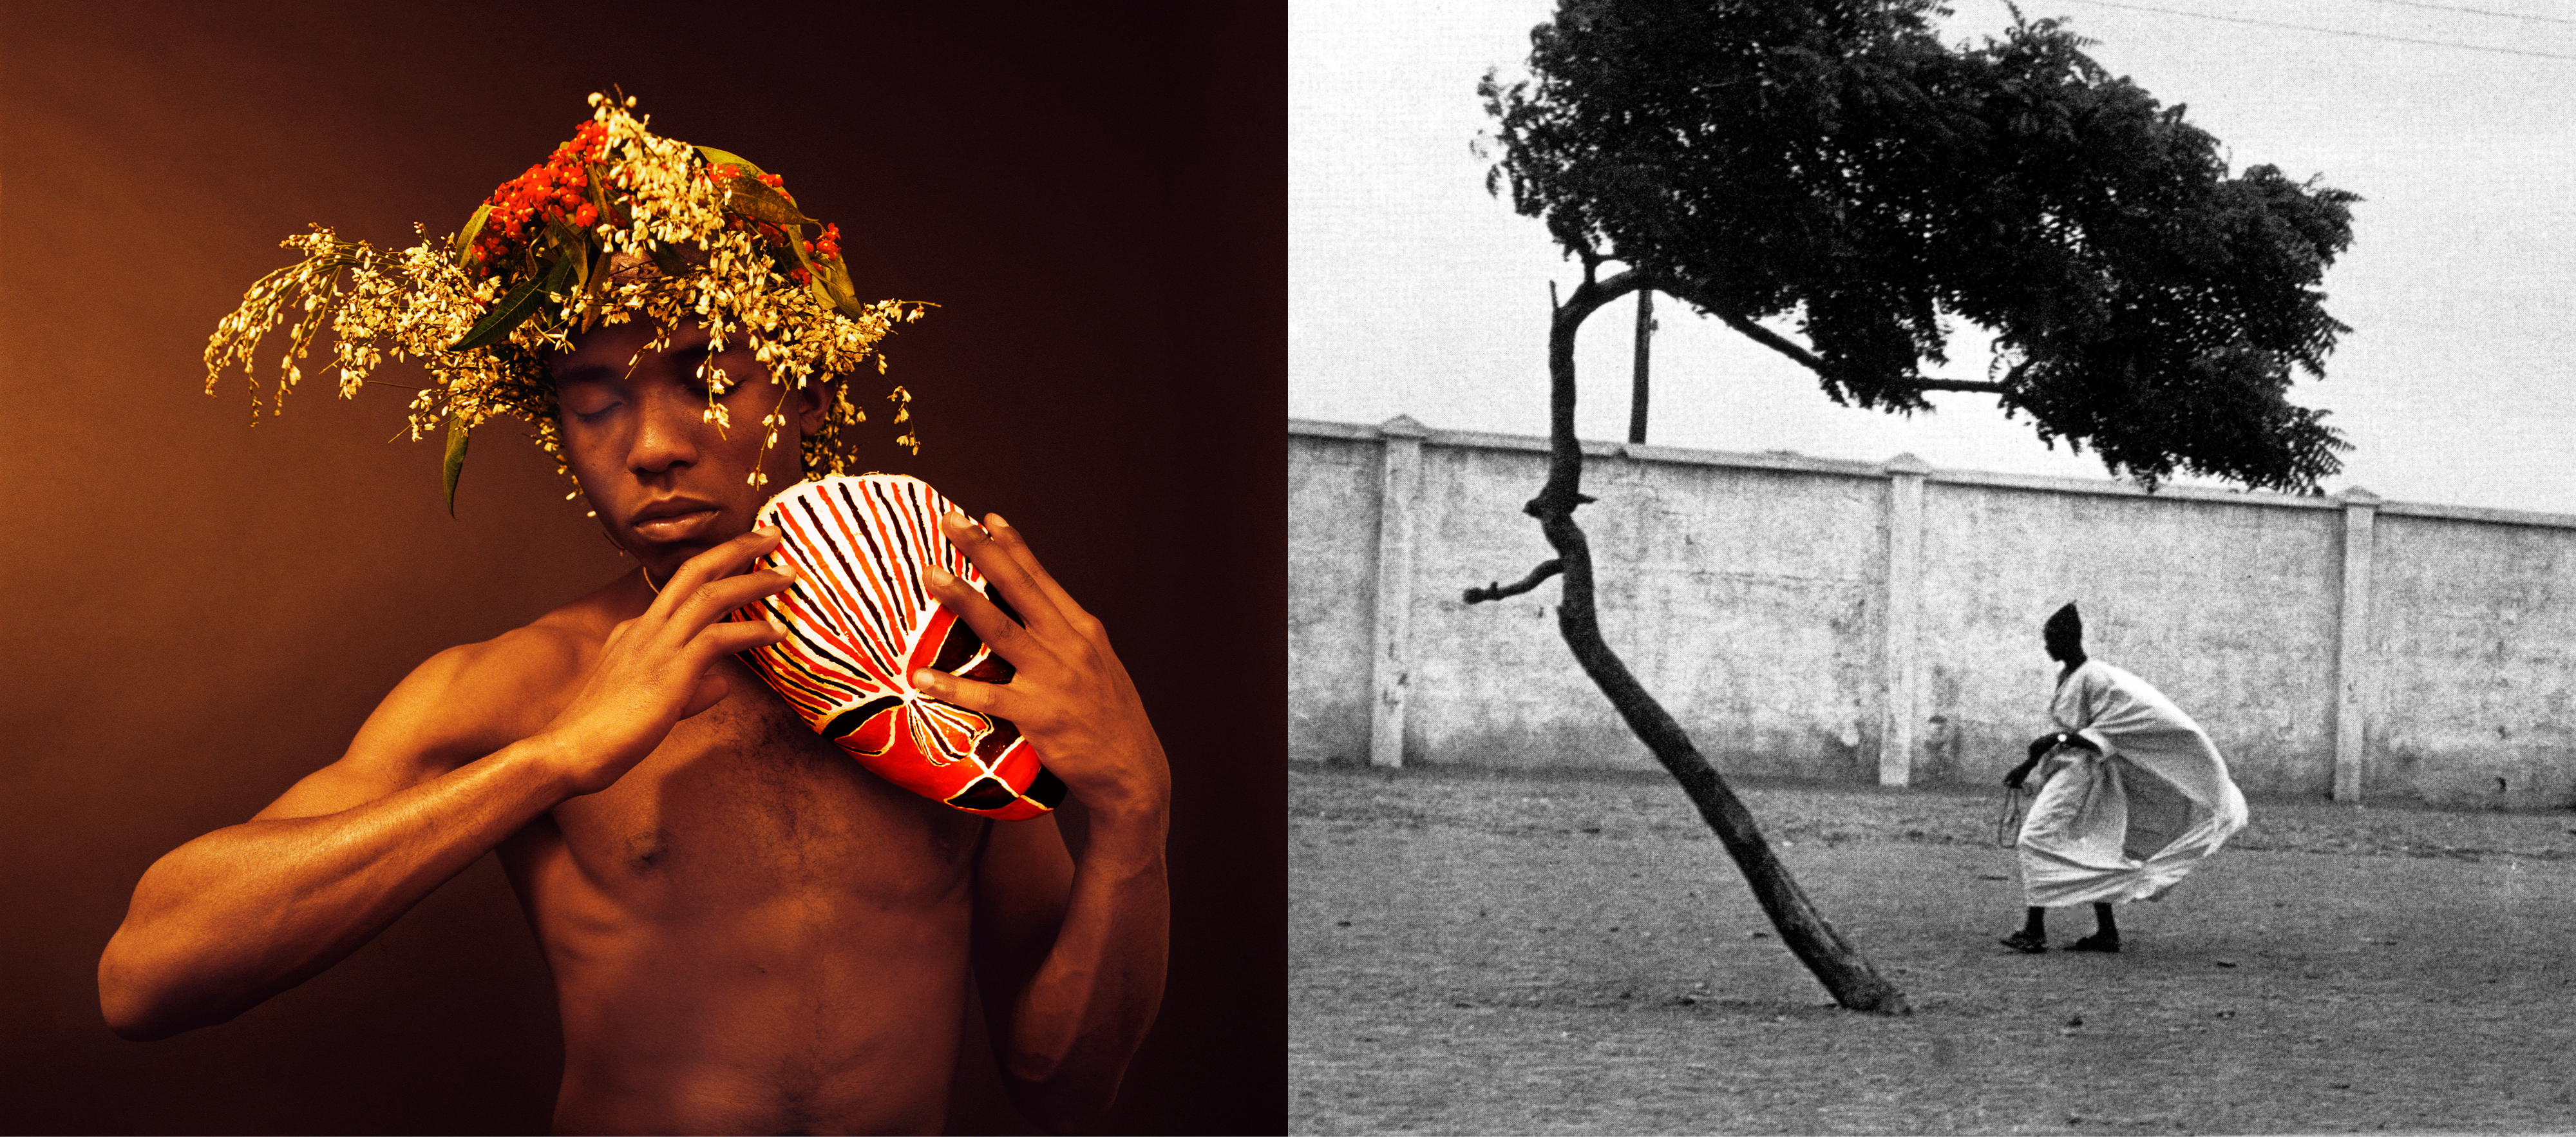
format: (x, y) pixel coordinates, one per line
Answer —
(2326, 31)
(2473, 11)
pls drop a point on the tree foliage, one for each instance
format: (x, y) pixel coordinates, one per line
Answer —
(1833, 161)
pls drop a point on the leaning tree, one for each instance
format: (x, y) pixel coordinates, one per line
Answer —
(1832, 167)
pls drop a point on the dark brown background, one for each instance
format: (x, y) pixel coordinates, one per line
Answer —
(199, 612)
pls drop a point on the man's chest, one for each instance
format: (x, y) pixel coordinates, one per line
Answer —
(745, 805)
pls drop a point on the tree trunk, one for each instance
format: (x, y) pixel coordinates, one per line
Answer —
(1638, 386)
(1845, 973)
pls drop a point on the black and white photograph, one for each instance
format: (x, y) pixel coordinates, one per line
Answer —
(1886, 566)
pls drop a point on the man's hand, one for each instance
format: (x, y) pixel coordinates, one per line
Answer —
(1069, 694)
(439, 776)
(653, 670)
(1067, 1030)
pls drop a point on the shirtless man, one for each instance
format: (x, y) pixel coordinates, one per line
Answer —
(748, 932)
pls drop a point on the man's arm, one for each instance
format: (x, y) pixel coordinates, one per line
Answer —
(2039, 748)
(1070, 957)
(433, 780)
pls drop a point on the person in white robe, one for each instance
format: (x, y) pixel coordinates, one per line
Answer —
(2133, 795)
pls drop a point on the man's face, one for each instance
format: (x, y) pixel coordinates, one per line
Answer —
(667, 482)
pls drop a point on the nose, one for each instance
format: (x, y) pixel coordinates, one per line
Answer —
(665, 432)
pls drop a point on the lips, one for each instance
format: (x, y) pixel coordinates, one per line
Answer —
(674, 519)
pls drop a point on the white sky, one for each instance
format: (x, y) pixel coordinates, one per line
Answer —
(1412, 292)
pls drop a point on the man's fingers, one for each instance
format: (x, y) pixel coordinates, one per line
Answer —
(1010, 640)
(1003, 571)
(715, 564)
(712, 689)
(726, 639)
(711, 601)
(975, 695)
(1016, 543)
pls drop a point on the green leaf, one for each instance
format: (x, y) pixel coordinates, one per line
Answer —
(597, 176)
(813, 275)
(796, 248)
(835, 276)
(717, 157)
(473, 229)
(504, 316)
(559, 277)
(575, 250)
(455, 465)
(754, 199)
(565, 238)
(513, 308)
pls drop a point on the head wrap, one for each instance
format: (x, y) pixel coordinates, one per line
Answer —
(619, 223)
(2066, 626)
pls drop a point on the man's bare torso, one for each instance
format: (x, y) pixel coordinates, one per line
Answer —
(748, 932)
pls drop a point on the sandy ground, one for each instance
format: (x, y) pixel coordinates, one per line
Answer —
(1487, 953)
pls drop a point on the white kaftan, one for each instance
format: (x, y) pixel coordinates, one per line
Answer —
(2128, 823)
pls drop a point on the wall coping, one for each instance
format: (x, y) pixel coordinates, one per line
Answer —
(1907, 463)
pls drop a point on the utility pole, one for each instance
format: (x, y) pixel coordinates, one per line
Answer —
(1645, 335)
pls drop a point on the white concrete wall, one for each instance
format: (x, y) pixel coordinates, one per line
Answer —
(2229, 608)
(1853, 621)
(2471, 695)
(1332, 557)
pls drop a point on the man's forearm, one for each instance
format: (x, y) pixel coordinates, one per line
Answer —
(1081, 1017)
(240, 914)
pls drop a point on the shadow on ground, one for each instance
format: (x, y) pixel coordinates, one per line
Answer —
(1499, 953)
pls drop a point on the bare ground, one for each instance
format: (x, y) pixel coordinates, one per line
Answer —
(1523, 953)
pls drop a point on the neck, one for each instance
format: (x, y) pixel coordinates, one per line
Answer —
(632, 592)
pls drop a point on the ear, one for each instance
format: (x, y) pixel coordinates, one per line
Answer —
(812, 402)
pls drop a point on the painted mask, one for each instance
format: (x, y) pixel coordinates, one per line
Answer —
(859, 623)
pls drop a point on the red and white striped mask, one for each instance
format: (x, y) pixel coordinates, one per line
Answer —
(859, 623)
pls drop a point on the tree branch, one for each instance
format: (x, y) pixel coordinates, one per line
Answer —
(1796, 351)
(1768, 338)
(1925, 384)
(1501, 591)
(1563, 491)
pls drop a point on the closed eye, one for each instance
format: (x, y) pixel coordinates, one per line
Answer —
(687, 362)
(587, 401)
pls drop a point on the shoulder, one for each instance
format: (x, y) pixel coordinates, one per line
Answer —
(2115, 678)
(2081, 688)
(475, 698)
(456, 707)
(511, 668)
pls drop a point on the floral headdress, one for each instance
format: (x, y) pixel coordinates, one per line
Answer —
(618, 222)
